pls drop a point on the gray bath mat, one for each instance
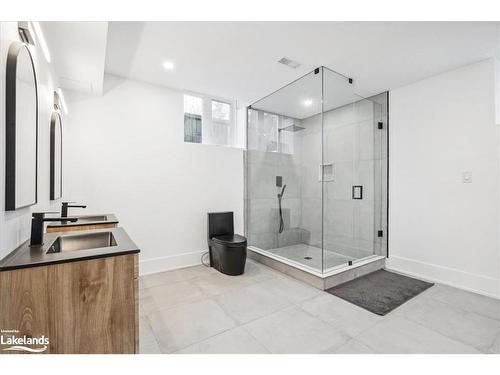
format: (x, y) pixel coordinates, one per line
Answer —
(381, 291)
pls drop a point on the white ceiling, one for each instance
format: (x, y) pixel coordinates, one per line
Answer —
(238, 60)
(78, 51)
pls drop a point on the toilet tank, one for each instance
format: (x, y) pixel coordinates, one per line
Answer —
(220, 223)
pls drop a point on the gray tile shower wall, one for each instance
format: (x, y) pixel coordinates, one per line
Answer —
(272, 153)
(263, 215)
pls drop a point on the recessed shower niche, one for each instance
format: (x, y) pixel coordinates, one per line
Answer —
(328, 145)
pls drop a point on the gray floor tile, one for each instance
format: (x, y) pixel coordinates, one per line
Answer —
(218, 283)
(196, 310)
(147, 340)
(197, 271)
(161, 278)
(164, 296)
(256, 272)
(234, 341)
(495, 348)
(470, 328)
(341, 314)
(294, 331)
(169, 277)
(467, 301)
(187, 324)
(142, 312)
(293, 290)
(397, 335)
(352, 346)
(251, 302)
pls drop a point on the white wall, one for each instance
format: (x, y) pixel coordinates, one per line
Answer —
(125, 154)
(440, 228)
(15, 225)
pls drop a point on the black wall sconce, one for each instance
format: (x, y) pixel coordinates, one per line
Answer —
(25, 32)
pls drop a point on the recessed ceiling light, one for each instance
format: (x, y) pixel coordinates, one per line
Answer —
(308, 102)
(168, 65)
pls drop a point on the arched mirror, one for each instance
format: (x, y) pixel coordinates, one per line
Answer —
(55, 156)
(21, 129)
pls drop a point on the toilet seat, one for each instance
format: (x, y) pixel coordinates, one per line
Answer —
(230, 239)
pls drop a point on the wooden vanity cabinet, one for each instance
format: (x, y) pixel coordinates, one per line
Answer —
(87, 306)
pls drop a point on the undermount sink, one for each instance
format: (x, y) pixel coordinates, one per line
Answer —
(93, 218)
(82, 242)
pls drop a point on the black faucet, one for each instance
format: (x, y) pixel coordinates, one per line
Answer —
(37, 220)
(66, 205)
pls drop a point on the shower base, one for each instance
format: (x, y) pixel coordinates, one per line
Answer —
(331, 277)
(311, 256)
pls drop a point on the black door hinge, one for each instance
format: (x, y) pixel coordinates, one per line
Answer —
(380, 125)
(380, 233)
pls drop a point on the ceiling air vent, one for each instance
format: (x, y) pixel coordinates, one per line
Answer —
(288, 62)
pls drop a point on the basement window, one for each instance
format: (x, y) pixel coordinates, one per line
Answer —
(211, 121)
(193, 114)
(221, 112)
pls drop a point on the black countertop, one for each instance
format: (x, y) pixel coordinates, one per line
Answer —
(85, 220)
(25, 256)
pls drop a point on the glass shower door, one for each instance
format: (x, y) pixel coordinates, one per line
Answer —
(352, 196)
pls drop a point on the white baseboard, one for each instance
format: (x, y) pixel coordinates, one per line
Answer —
(449, 276)
(171, 262)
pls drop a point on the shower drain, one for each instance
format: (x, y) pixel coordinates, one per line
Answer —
(307, 258)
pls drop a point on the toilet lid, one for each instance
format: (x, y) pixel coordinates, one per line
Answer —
(230, 239)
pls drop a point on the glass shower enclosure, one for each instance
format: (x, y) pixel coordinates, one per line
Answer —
(316, 174)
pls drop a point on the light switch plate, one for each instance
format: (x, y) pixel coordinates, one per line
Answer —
(357, 192)
(467, 177)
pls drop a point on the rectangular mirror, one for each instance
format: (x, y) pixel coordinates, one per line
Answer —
(21, 129)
